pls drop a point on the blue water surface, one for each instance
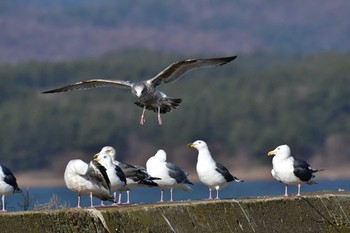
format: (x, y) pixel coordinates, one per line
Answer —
(66, 198)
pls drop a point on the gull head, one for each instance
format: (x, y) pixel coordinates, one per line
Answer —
(280, 151)
(103, 158)
(109, 151)
(137, 89)
(160, 155)
(199, 144)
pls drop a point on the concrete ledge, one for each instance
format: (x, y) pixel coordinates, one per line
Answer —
(314, 212)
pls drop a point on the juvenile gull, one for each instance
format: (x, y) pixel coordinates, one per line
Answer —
(290, 171)
(89, 178)
(171, 176)
(8, 184)
(149, 97)
(136, 176)
(115, 174)
(211, 173)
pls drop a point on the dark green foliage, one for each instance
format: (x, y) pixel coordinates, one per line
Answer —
(252, 105)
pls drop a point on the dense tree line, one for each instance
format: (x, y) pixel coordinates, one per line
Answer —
(248, 106)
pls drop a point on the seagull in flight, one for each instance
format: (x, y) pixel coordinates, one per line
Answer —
(149, 97)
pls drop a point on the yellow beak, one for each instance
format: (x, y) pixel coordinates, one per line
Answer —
(190, 145)
(271, 153)
(96, 156)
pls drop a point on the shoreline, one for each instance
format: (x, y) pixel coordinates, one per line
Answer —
(46, 178)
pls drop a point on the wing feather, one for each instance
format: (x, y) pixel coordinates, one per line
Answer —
(178, 69)
(93, 83)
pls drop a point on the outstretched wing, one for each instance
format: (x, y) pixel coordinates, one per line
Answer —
(178, 69)
(93, 83)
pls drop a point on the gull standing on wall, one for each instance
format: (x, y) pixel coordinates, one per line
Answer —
(149, 97)
(115, 174)
(136, 176)
(89, 178)
(212, 174)
(290, 171)
(171, 176)
(8, 184)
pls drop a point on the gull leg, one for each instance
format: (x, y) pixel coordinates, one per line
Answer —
(299, 185)
(171, 194)
(159, 118)
(3, 203)
(120, 198)
(161, 195)
(102, 204)
(142, 120)
(115, 196)
(127, 197)
(217, 194)
(286, 190)
(210, 197)
(78, 206)
(91, 202)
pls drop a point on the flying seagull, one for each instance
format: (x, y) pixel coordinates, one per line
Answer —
(8, 184)
(211, 173)
(290, 171)
(149, 97)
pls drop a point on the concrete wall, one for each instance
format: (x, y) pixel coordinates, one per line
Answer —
(315, 212)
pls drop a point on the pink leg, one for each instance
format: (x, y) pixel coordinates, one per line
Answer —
(217, 194)
(127, 197)
(142, 120)
(91, 202)
(3, 203)
(114, 197)
(210, 197)
(78, 206)
(120, 198)
(159, 118)
(286, 190)
(299, 186)
(102, 204)
(161, 195)
(171, 194)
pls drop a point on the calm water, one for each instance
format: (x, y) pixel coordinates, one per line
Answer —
(146, 195)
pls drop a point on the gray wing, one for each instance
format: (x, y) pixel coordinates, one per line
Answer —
(226, 174)
(10, 179)
(178, 69)
(302, 170)
(136, 173)
(98, 172)
(93, 83)
(177, 173)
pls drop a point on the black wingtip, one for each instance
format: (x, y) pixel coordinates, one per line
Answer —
(228, 59)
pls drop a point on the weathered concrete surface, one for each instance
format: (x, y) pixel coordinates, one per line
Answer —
(315, 212)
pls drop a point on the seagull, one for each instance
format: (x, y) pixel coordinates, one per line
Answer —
(89, 178)
(290, 171)
(115, 174)
(8, 184)
(211, 173)
(149, 97)
(171, 176)
(136, 176)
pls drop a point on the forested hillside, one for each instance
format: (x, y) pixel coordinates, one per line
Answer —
(244, 108)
